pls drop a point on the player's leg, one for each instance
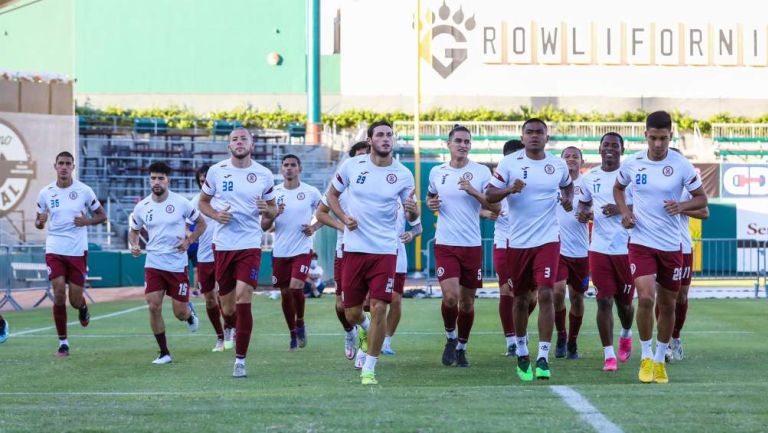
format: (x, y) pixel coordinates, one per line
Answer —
(224, 275)
(644, 267)
(545, 263)
(681, 313)
(521, 278)
(575, 318)
(394, 312)
(670, 266)
(4, 329)
(246, 277)
(448, 270)
(281, 279)
(207, 286)
(624, 301)
(505, 300)
(380, 279)
(355, 294)
(558, 299)
(153, 293)
(601, 270)
(59, 286)
(179, 292)
(471, 278)
(76, 269)
(299, 269)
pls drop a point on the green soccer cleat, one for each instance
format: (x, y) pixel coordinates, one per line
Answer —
(362, 339)
(368, 378)
(524, 371)
(542, 369)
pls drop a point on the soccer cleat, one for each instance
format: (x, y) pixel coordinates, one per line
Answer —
(646, 370)
(301, 334)
(163, 359)
(388, 351)
(349, 344)
(524, 371)
(610, 365)
(560, 349)
(63, 351)
(4, 330)
(219, 347)
(572, 350)
(229, 338)
(239, 370)
(677, 349)
(511, 350)
(362, 339)
(668, 355)
(660, 373)
(461, 358)
(359, 359)
(449, 352)
(193, 323)
(84, 316)
(368, 378)
(542, 369)
(625, 348)
(293, 345)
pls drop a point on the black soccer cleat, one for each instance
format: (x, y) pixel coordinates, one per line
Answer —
(573, 350)
(461, 358)
(84, 316)
(63, 351)
(449, 352)
(560, 349)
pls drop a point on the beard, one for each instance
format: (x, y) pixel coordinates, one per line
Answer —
(158, 191)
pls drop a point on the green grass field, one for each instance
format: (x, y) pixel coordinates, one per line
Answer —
(108, 383)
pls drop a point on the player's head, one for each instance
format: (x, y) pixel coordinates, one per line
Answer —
(240, 143)
(381, 137)
(611, 148)
(573, 158)
(159, 177)
(658, 134)
(359, 148)
(290, 167)
(64, 164)
(459, 142)
(512, 146)
(535, 135)
(201, 173)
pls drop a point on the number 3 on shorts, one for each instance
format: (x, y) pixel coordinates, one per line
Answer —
(547, 272)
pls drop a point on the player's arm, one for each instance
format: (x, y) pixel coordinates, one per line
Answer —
(700, 214)
(333, 202)
(566, 197)
(584, 211)
(697, 202)
(411, 207)
(41, 217)
(411, 234)
(323, 215)
(221, 217)
(498, 189)
(467, 187)
(98, 217)
(627, 216)
(192, 237)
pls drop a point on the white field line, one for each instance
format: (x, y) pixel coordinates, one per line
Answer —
(92, 394)
(588, 413)
(75, 322)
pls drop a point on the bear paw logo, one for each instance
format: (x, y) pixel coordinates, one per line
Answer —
(632, 268)
(453, 25)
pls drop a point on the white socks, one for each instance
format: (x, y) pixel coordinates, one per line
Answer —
(461, 346)
(452, 334)
(522, 346)
(661, 350)
(511, 340)
(387, 340)
(366, 323)
(544, 350)
(626, 333)
(608, 352)
(646, 351)
(63, 342)
(370, 363)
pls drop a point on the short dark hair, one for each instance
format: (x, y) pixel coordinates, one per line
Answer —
(512, 146)
(357, 146)
(613, 134)
(375, 125)
(659, 120)
(160, 167)
(581, 155)
(288, 156)
(203, 169)
(535, 119)
(458, 128)
(64, 154)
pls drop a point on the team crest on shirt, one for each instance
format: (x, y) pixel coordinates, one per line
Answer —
(73, 195)
(668, 170)
(577, 190)
(549, 169)
(170, 208)
(251, 177)
(467, 176)
(391, 178)
(300, 196)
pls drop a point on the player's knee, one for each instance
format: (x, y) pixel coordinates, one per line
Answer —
(155, 307)
(210, 301)
(604, 304)
(545, 296)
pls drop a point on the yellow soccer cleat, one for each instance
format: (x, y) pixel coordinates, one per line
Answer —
(660, 373)
(368, 378)
(646, 370)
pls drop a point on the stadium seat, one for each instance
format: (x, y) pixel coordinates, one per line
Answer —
(152, 126)
(224, 127)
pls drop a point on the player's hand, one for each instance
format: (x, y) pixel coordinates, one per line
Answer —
(42, 218)
(485, 213)
(517, 186)
(433, 203)
(135, 250)
(350, 222)
(410, 205)
(406, 237)
(584, 216)
(566, 204)
(263, 207)
(280, 209)
(466, 186)
(81, 220)
(307, 229)
(672, 207)
(628, 220)
(610, 210)
(223, 216)
(183, 244)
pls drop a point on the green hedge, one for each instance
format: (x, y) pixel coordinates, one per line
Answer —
(179, 117)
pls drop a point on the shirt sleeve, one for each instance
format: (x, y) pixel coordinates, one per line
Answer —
(500, 178)
(691, 179)
(341, 179)
(42, 203)
(432, 188)
(486, 178)
(586, 191)
(566, 179)
(135, 220)
(91, 202)
(269, 190)
(209, 186)
(629, 195)
(625, 174)
(191, 213)
(408, 188)
(316, 199)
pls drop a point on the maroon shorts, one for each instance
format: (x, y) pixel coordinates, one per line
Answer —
(238, 265)
(500, 265)
(666, 265)
(74, 269)
(400, 282)
(531, 268)
(337, 274)
(612, 277)
(464, 263)
(206, 276)
(687, 269)
(575, 272)
(286, 268)
(174, 284)
(367, 274)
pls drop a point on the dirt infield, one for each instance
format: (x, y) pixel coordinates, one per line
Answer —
(28, 298)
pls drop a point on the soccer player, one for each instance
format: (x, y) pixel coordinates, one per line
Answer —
(323, 215)
(164, 214)
(658, 178)
(375, 183)
(237, 193)
(608, 254)
(455, 193)
(530, 180)
(573, 269)
(501, 225)
(4, 329)
(292, 249)
(205, 274)
(394, 312)
(65, 203)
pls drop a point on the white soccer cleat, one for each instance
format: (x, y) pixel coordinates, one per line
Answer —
(239, 370)
(349, 344)
(163, 359)
(193, 323)
(676, 348)
(229, 338)
(359, 359)
(219, 347)
(668, 354)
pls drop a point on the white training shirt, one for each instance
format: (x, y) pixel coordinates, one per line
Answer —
(339, 233)
(574, 236)
(205, 241)
(501, 227)
(238, 189)
(608, 235)
(654, 182)
(373, 196)
(62, 206)
(300, 205)
(166, 225)
(458, 220)
(532, 215)
(402, 255)
(685, 228)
